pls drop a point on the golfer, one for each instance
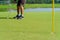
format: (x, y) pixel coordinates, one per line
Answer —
(20, 9)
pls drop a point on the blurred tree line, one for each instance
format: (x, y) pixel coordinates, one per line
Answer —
(36, 1)
(39, 1)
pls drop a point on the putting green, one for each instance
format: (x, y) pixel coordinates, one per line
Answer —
(35, 26)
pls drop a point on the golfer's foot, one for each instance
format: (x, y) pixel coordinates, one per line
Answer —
(16, 16)
(20, 17)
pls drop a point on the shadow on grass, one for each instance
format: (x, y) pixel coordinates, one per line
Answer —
(6, 18)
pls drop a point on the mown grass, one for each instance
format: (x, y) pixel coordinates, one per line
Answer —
(57, 25)
(35, 26)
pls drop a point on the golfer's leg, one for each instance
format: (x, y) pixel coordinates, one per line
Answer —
(22, 10)
(18, 9)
